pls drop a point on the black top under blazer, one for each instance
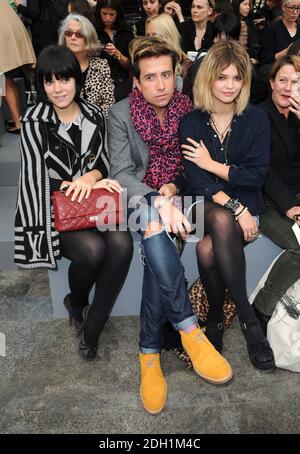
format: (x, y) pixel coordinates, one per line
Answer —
(187, 31)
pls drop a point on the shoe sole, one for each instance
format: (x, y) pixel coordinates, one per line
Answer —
(87, 359)
(213, 381)
(209, 379)
(264, 369)
(156, 412)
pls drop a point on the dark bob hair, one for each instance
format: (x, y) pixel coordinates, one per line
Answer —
(60, 62)
(113, 4)
(142, 11)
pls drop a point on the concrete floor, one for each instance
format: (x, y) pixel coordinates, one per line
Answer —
(46, 388)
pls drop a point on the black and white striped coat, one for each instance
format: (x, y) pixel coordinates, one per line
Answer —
(45, 144)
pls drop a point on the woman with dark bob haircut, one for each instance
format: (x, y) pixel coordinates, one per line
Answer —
(63, 146)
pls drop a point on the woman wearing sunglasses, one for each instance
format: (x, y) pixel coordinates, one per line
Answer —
(79, 35)
(63, 145)
(279, 36)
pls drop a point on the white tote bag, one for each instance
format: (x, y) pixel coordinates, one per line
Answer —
(284, 330)
(284, 327)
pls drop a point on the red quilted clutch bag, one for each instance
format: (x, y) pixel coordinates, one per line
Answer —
(101, 208)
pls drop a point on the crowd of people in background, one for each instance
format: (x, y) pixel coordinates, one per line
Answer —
(206, 105)
(268, 30)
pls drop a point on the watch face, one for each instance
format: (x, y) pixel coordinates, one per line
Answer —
(232, 205)
(235, 206)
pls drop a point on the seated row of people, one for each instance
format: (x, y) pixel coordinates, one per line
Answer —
(158, 146)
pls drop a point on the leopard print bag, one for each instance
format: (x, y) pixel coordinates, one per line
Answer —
(200, 306)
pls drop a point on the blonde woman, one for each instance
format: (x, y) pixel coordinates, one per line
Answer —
(280, 35)
(198, 33)
(79, 35)
(226, 145)
(163, 27)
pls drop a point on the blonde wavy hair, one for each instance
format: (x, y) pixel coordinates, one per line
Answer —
(221, 55)
(92, 43)
(167, 32)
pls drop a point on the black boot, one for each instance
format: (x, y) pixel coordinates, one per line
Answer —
(214, 333)
(87, 351)
(260, 352)
(262, 318)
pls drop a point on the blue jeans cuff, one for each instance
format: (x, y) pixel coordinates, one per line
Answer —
(149, 350)
(186, 323)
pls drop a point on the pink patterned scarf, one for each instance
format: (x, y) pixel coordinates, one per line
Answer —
(165, 154)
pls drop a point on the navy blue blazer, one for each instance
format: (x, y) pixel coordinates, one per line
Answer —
(247, 153)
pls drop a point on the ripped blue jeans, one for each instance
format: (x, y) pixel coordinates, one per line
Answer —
(164, 295)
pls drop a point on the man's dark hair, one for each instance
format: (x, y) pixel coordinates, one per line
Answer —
(60, 62)
(147, 47)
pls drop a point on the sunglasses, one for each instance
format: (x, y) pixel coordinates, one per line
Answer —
(293, 8)
(70, 33)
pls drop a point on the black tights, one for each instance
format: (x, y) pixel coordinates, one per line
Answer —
(221, 263)
(100, 258)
